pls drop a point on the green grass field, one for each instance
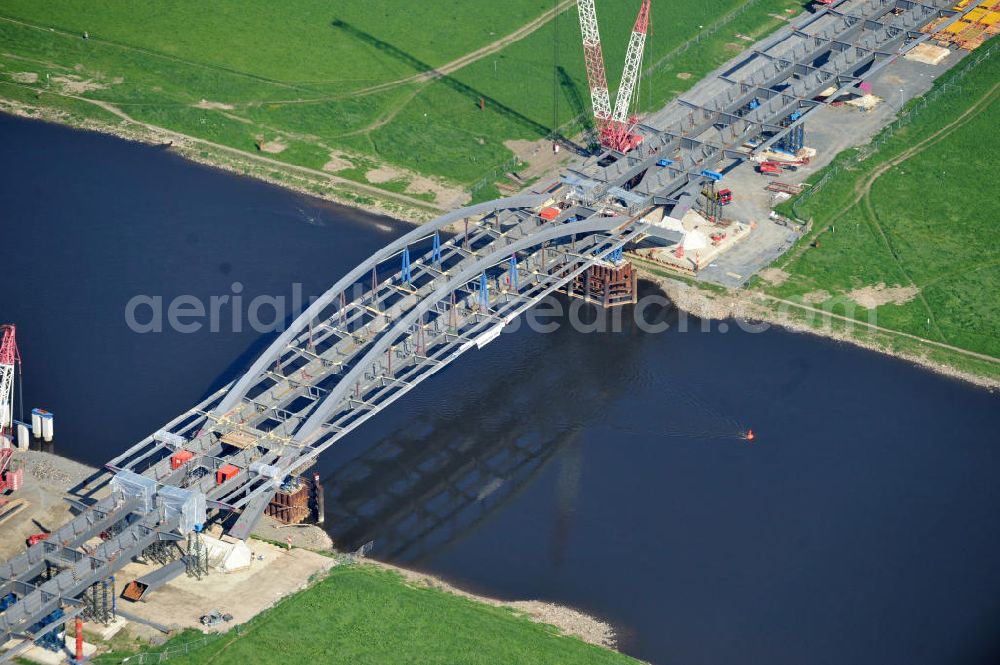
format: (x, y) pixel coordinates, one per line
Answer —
(927, 219)
(303, 73)
(361, 614)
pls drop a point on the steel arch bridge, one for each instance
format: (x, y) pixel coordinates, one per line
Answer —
(426, 298)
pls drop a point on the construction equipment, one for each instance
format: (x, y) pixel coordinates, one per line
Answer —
(783, 187)
(9, 355)
(614, 129)
(776, 167)
(715, 199)
(769, 168)
(215, 618)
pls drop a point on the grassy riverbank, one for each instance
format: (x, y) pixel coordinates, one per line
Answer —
(339, 101)
(365, 614)
(906, 236)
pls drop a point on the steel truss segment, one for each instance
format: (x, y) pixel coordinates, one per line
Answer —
(468, 273)
(323, 439)
(233, 396)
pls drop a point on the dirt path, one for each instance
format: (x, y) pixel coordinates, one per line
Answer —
(469, 58)
(869, 207)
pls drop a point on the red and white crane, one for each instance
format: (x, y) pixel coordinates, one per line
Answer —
(9, 356)
(594, 58)
(11, 474)
(614, 129)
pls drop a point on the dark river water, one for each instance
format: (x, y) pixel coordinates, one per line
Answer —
(605, 471)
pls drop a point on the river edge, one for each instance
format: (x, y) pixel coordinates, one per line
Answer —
(237, 162)
(700, 302)
(741, 305)
(56, 475)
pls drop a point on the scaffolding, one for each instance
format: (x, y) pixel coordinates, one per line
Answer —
(197, 555)
(99, 601)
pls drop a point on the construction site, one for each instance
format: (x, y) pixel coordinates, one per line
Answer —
(160, 539)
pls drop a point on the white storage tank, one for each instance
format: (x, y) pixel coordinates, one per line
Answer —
(36, 422)
(22, 436)
(47, 426)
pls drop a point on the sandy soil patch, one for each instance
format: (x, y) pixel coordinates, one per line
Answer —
(273, 147)
(76, 85)
(383, 174)
(568, 620)
(523, 148)
(418, 184)
(309, 536)
(684, 76)
(733, 46)
(24, 77)
(816, 297)
(871, 297)
(337, 163)
(774, 276)
(181, 602)
(217, 106)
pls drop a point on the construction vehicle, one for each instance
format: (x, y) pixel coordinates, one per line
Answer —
(775, 167)
(215, 618)
(36, 538)
(615, 129)
(721, 196)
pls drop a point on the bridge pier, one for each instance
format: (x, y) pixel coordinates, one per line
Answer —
(606, 284)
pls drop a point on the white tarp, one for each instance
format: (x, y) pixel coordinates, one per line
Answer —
(187, 505)
(227, 555)
(134, 486)
(695, 240)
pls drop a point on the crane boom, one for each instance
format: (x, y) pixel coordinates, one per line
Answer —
(8, 356)
(633, 62)
(594, 58)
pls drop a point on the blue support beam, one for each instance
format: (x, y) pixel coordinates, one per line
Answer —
(405, 275)
(436, 251)
(484, 292)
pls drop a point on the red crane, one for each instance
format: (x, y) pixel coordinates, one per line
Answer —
(9, 356)
(614, 129)
(10, 475)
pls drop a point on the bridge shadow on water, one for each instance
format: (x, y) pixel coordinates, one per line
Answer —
(477, 435)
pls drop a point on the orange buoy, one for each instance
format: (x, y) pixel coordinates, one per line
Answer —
(749, 436)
